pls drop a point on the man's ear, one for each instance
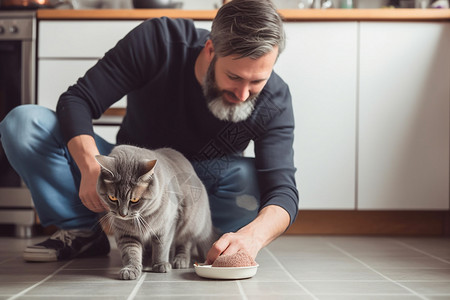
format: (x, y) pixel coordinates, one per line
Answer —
(209, 47)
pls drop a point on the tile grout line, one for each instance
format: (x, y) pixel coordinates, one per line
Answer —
(8, 259)
(241, 290)
(40, 282)
(423, 252)
(379, 273)
(137, 287)
(290, 275)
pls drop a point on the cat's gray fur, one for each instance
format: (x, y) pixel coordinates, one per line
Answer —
(170, 220)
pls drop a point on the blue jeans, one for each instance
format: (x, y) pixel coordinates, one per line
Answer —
(33, 143)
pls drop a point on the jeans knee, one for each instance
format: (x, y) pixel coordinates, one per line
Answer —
(243, 175)
(23, 124)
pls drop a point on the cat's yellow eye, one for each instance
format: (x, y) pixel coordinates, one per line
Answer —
(135, 200)
(112, 198)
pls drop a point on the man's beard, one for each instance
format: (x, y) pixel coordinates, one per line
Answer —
(221, 108)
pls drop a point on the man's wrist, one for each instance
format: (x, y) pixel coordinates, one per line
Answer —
(83, 149)
(271, 222)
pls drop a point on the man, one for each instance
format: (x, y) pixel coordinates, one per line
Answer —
(204, 94)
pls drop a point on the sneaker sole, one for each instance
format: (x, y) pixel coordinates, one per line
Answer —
(39, 257)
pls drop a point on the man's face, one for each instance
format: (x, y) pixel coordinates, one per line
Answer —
(232, 85)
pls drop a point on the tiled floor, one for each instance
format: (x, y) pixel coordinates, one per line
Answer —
(292, 267)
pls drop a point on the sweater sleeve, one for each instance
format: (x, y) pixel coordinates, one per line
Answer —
(274, 154)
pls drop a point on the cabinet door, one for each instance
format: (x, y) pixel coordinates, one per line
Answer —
(404, 116)
(319, 64)
(55, 76)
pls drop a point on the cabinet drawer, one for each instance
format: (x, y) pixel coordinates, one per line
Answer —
(86, 39)
(90, 39)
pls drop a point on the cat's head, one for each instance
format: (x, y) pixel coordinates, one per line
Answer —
(126, 185)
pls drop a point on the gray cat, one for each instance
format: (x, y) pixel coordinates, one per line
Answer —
(158, 207)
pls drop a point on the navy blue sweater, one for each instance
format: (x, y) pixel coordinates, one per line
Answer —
(154, 66)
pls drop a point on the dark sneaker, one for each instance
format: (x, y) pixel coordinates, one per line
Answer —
(67, 244)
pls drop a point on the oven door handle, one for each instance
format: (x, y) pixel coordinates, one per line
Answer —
(28, 87)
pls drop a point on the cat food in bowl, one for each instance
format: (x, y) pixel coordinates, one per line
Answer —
(239, 259)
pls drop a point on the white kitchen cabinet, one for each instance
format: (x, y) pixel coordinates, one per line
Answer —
(403, 143)
(55, 76)
(320, 66)
(67, 49)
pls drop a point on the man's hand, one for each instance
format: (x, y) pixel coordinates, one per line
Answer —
(232, 242)
(88, 191)
(271, 222)
(83, 150)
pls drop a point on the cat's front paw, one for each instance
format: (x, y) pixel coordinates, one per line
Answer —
(129, 273)
(162, 267)
(181, 262)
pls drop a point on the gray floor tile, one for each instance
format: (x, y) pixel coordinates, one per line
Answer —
(354, 288)
(330, 274)
(389, 262)
(280, 297)
(111, 288)
(412, 274)
(323, 263)
(273, 289)
(112, 260)
(429, 288)
(201, 288)
(79, 276)
(185, 297)
(12, 288)
(370, 297)
(78, 297)
(270, 275)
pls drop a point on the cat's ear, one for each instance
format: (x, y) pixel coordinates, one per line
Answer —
(149, 169)
(107, 164)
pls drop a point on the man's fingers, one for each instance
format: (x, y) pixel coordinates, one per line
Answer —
(233, 248)
(217, 248)
(94, 204)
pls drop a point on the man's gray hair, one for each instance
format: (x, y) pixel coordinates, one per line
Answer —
(247, 28)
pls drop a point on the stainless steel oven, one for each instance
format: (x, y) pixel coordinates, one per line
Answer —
(17, 86)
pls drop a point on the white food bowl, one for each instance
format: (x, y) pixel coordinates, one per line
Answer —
(208, 271)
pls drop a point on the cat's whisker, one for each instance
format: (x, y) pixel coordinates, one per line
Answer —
(107, 220)
(142, 225)
(137, 225)
(147, 226)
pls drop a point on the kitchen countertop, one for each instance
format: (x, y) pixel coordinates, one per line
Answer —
(288, 14)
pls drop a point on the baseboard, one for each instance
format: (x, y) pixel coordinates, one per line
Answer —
(351, 222)
(420, 223)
